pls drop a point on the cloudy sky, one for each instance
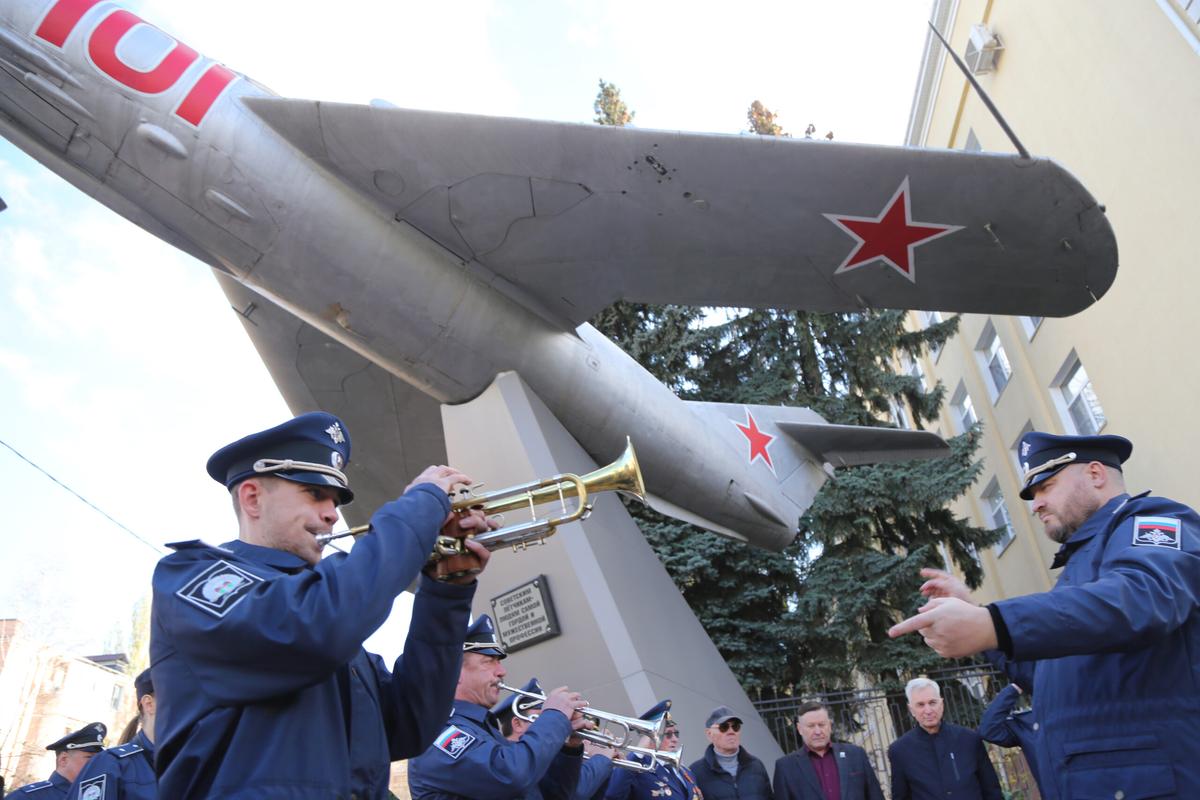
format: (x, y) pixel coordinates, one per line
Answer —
(121, 365)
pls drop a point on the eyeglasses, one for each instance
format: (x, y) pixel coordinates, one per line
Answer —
(724, 727)
(671, 733)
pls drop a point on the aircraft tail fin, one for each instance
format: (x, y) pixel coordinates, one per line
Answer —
(852, 445)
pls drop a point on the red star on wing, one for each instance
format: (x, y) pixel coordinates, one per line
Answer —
(891, 237)
(759, 441)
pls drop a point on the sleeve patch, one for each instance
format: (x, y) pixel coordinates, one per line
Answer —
(453, 741)
(93, 788)
(1157, 532)
(219, 588)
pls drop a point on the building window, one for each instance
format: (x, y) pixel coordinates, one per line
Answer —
(1031, 325)
(931, 318)
(1083, 407)
(995, 360)
(1191, 9)
(963, 409)
(912, 368)
(900, 414)
(118, 693)
(998, 517)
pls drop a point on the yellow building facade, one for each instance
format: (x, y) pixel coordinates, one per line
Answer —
(1110, 89)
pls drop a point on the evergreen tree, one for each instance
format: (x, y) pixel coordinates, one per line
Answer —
(610, 108)
(816, 616)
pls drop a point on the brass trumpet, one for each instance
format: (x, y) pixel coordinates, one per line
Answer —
(629, 729)
(622, 475)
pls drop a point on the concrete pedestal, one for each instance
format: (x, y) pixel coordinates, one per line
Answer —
(628, 638)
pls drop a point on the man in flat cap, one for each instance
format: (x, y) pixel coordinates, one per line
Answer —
(262, 684)
(125, 772)
(71, 753)
(727, 769)
(1116, 641)
(472, 759)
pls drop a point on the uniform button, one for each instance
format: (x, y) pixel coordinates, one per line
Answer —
(1036, 725)
(1119, 795)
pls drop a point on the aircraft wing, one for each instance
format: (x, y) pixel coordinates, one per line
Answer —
(400, 426)
(570, 217)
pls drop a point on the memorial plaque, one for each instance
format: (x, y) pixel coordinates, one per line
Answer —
(525, 615)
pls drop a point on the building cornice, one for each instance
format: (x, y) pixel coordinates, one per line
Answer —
(930, 75)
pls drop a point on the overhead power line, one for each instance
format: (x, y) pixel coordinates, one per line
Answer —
(158, 550)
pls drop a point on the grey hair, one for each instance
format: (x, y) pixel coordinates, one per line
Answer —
(921, 683)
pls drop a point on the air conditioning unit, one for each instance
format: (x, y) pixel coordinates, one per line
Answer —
(983, 47)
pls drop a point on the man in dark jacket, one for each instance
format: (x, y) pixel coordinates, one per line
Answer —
(1115, 639)
(936, 760)
(820, 769)
(727, 769)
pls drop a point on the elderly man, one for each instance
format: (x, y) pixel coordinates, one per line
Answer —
(727, 769)
(936, 760)
(71, 753)
(470, 759)
(1114, 640)
(263, 687)
(820, 769)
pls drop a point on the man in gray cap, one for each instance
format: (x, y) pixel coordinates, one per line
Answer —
(727, 769)
(71, 752)
(1115, 640)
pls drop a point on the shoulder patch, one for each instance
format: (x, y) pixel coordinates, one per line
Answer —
(218, 588)
(93, 788)
(1157, 532)
(453, 741)
(128, 749)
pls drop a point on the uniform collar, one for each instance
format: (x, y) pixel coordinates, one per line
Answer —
(269, 556)
(477, 713)
(1097, 522)
(144, 742)
(59, 780)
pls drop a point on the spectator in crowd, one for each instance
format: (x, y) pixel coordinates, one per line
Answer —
(821, 769)
(71, 752)
(937, 760)
(727, 769)
(125, 772)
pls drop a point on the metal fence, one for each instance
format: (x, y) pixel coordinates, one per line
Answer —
(873, 718)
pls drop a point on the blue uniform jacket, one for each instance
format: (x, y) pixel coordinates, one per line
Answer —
(751, 782)
(470, 758)
(53, 788)
(1007, 728)
(795, 778)
(664, 781)
(951, 764)
(1117, 688)
(125, 772)
(594, 775)
(262, 684)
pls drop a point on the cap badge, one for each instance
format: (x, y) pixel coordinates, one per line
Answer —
(335, 433)
(1024, 450)
(335, 458)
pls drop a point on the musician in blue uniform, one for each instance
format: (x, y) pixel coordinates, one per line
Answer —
(597, 761)
(665, 780)
(471, 759)
(124, 772)
(71, 753)
(263, 688)
(1115, 640)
